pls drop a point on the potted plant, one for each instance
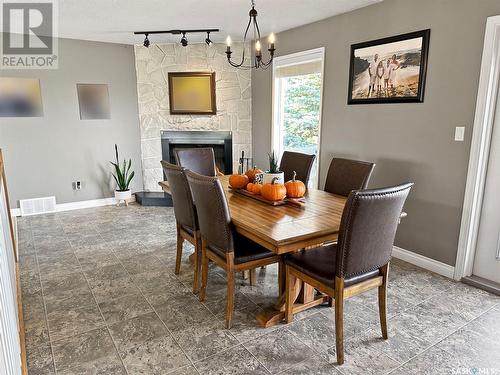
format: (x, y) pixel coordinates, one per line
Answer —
(273, 172)
(122, 177)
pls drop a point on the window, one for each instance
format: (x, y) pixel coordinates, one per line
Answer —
(297, 92)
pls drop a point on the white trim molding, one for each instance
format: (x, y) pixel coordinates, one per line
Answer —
(79, 205)
(424, 262)
(480, 148)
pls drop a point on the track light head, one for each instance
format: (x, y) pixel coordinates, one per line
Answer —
(184, 40)
(208, 40)
(146, 41)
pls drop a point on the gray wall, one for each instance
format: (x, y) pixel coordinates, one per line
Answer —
(44, 155)
(407, 141)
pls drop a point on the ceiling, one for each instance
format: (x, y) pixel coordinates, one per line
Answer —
(115, 20)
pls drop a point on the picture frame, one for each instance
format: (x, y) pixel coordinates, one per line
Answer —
(93, 101)
(399, 76)
(20, 97)
(192, 93)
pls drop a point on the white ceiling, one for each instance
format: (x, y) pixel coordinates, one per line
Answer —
(115, 20)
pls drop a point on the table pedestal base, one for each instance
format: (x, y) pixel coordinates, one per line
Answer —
(272, 317)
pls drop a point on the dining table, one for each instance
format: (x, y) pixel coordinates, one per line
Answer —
(285, 229)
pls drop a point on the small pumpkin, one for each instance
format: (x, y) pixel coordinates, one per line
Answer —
(273, 191)
(250, 187)
(252, 172)
(238, 181)
(295, 188)
(257, 188)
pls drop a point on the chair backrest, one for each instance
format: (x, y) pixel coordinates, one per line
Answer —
(199, 160)
(367, 229)
(346, 175)
(213, 212)
(184, 210)
(298, 162)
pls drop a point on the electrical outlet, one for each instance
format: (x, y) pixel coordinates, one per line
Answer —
(459, 133)
(77, 185)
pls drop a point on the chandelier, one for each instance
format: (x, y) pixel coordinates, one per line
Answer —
(257, 62)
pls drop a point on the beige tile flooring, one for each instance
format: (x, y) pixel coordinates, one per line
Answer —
(100, 297)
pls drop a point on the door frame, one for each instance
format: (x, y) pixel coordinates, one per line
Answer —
(488, 91)
(293, 59)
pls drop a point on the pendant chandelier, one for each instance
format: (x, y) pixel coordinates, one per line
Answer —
(257, 61)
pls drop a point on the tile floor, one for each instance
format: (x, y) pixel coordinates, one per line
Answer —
(100, 297)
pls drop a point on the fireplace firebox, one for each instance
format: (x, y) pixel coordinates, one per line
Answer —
(220, 141)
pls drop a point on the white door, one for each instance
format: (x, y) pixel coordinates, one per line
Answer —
(298, 91)
(487, 258)
(10, 346)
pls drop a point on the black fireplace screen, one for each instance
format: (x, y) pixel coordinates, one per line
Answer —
(220, 141)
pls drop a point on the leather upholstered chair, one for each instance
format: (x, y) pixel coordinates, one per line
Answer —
(199, 160)
(358, 262)
(345, 175)
(220, 242)
(298, 162)
(185, 217)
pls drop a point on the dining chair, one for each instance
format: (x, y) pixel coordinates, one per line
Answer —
(199, 160)
(220, 242)
(345, 175)
(358, 262)
(185, 217)
(298, 162)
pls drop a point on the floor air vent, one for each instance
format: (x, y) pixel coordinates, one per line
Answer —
(37, 206)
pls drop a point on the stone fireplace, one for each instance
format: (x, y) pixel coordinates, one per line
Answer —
(233, 97)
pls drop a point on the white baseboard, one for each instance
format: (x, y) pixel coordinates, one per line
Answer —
(78, 205)
(424, 262)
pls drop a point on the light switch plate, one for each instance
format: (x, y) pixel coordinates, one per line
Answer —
(459, 133)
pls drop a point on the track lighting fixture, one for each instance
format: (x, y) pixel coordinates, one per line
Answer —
(184, 41)
(207, 40)
(146, 41)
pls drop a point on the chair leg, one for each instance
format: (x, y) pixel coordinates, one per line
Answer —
(289, 294)
(382, 300)
(253, 277)
(230, 289)
(204, 271)
(178, 257)
(197, 263)
(339, 319)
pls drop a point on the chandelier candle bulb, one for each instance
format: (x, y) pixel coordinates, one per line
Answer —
(271, 41)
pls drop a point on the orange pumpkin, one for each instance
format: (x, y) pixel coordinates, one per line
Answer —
(252, 172)
(257, 188)
(238, 181)
(295, 188)
(273, 191)
(250, 187)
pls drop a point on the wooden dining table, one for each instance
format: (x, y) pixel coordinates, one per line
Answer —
(285, 229)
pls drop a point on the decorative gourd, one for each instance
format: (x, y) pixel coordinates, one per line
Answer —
(238, 181)
(295, 188)
(273, 191)
(257, 188)
(252, 172)
(250, 187)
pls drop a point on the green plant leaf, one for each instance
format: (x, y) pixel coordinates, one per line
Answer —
(129, 179)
